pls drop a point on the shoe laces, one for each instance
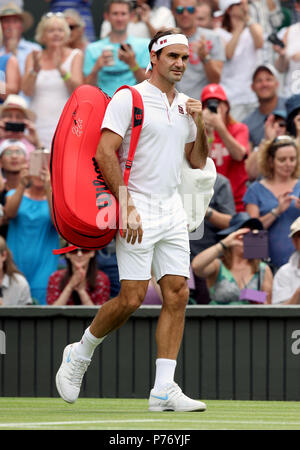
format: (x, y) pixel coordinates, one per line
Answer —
(79, 368)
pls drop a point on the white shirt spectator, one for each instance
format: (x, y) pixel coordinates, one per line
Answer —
(15, 290)
(286, 280)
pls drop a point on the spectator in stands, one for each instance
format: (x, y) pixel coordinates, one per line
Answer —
(14, 288)
(84, 9)
(10, 77)
(81, 283)
(206, 50)
(225, 268)
(228, 140)
(218, 215)
(145, 20)
(106, 63)
(204, 15)
(76, 23)
(275, 198)
(242, 38)
(12, 162)
(269, 15)
(286, 284)
(275, 125)
(288, 60)
(293, 117)
(31, 234)
(52, 74)
(14, 22)
(107, 262)
(14, 116)
(265, 85)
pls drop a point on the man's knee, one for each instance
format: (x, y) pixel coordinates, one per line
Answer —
(176, 294)
(132, 296)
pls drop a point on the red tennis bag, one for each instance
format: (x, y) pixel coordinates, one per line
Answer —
(85, 212)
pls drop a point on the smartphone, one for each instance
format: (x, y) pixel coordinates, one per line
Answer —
(123, 48)
(212, 104)
(274, 39)
(15, 126)
(37, 160)
(256, 244)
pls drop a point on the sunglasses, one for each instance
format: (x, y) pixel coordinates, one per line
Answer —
(17, 152)
(282, 124)
(84, 251)
(180, 9)
(73, 27)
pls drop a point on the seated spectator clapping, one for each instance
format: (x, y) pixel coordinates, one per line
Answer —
(81, 283)
(286, 285)
(227, 271)
(14, 288)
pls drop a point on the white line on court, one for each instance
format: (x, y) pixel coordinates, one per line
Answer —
(200, 421)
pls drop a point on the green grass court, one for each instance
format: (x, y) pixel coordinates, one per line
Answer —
(132, 414)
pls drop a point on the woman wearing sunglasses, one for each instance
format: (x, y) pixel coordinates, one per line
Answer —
(81, 283)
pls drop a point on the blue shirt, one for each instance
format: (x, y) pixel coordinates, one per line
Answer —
(23, 49)
(280, 245)
(256, 122)
(3, 63)
(31, 238)
(110, 78)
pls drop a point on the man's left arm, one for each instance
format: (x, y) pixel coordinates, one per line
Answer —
(211, 53)
(129, 57)
(196, 152)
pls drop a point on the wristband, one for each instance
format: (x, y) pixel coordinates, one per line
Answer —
(209, 212)
(210, 140)
(223, 245)
(66, 76)
(135, 68)
(206, 59)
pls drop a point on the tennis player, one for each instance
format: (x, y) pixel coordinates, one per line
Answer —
(154, 236)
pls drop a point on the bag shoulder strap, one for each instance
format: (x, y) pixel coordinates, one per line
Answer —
(136, 123)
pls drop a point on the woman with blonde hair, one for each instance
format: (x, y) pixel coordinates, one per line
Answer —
(14, 288)
(51, 74)
(275, 198)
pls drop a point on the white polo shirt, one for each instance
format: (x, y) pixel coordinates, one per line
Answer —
(286, 280)
(166, 129)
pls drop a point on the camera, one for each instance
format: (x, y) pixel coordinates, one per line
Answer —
(274, 39)
(37, 160)
(256, 244)
(212, 104)
(15, 126)
(134, 4)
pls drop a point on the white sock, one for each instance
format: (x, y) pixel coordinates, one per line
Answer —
(86, 346)
(165, 370)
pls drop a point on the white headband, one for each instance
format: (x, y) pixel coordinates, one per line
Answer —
(170, 39)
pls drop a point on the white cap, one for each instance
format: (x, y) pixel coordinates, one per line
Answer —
(225, 4)
(12, 143)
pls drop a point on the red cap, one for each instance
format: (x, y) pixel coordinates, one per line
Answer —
(213, 91)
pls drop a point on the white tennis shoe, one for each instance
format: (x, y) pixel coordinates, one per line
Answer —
(70, 374)
(171, 398)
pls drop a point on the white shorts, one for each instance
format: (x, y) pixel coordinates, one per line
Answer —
(164, 249)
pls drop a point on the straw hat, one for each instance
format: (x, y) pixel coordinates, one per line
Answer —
(14, 101)
(11, 9)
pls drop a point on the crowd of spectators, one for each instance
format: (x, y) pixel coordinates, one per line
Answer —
(244, 65)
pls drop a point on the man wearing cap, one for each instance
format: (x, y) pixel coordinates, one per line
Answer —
(206, 52)
(106, 63)
(229, 140)
(154, 229)
(265, 84)
(286, 285)
(17, 122)
(14, 22)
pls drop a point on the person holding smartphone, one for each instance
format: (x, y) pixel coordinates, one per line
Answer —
(229, 140)
(225, 268)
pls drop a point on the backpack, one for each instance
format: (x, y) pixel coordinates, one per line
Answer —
(85, 212)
